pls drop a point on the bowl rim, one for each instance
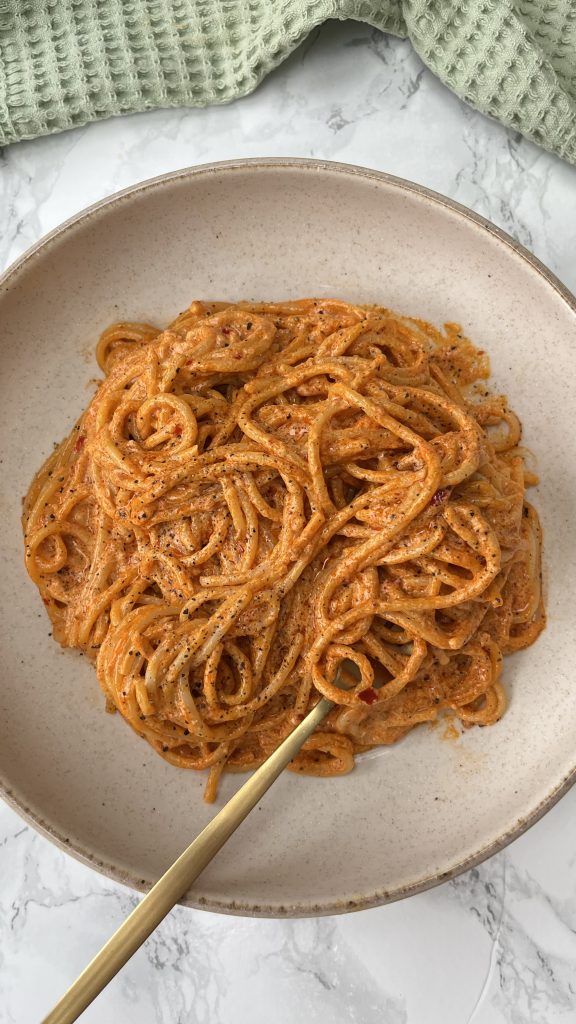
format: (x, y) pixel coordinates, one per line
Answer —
(352, 171)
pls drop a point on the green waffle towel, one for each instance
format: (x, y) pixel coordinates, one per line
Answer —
(66, 62)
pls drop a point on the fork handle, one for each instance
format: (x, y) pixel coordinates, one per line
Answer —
(177, 879)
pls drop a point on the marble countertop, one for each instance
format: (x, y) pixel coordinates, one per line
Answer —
(498, 944)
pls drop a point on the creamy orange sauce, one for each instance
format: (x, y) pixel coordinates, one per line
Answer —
(263, 490)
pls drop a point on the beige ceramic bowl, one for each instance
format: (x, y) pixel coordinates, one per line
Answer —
(408, 816)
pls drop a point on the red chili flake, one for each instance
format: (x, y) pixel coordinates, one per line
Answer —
(225, 330)
(440, 496)
(300, 717)
(46, 600)
(178, 430)
(368, 696)
(80, 443)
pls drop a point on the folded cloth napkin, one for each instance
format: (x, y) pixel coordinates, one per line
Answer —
(64, 63)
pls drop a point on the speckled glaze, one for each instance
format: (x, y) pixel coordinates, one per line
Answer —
(409, 816)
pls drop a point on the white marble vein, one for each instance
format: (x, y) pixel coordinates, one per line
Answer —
(496, 946)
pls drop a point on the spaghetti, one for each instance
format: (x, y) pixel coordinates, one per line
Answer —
(264, 490)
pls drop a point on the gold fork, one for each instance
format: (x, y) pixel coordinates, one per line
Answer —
(178, 879)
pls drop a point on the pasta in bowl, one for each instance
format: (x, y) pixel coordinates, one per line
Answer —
(262, 490)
